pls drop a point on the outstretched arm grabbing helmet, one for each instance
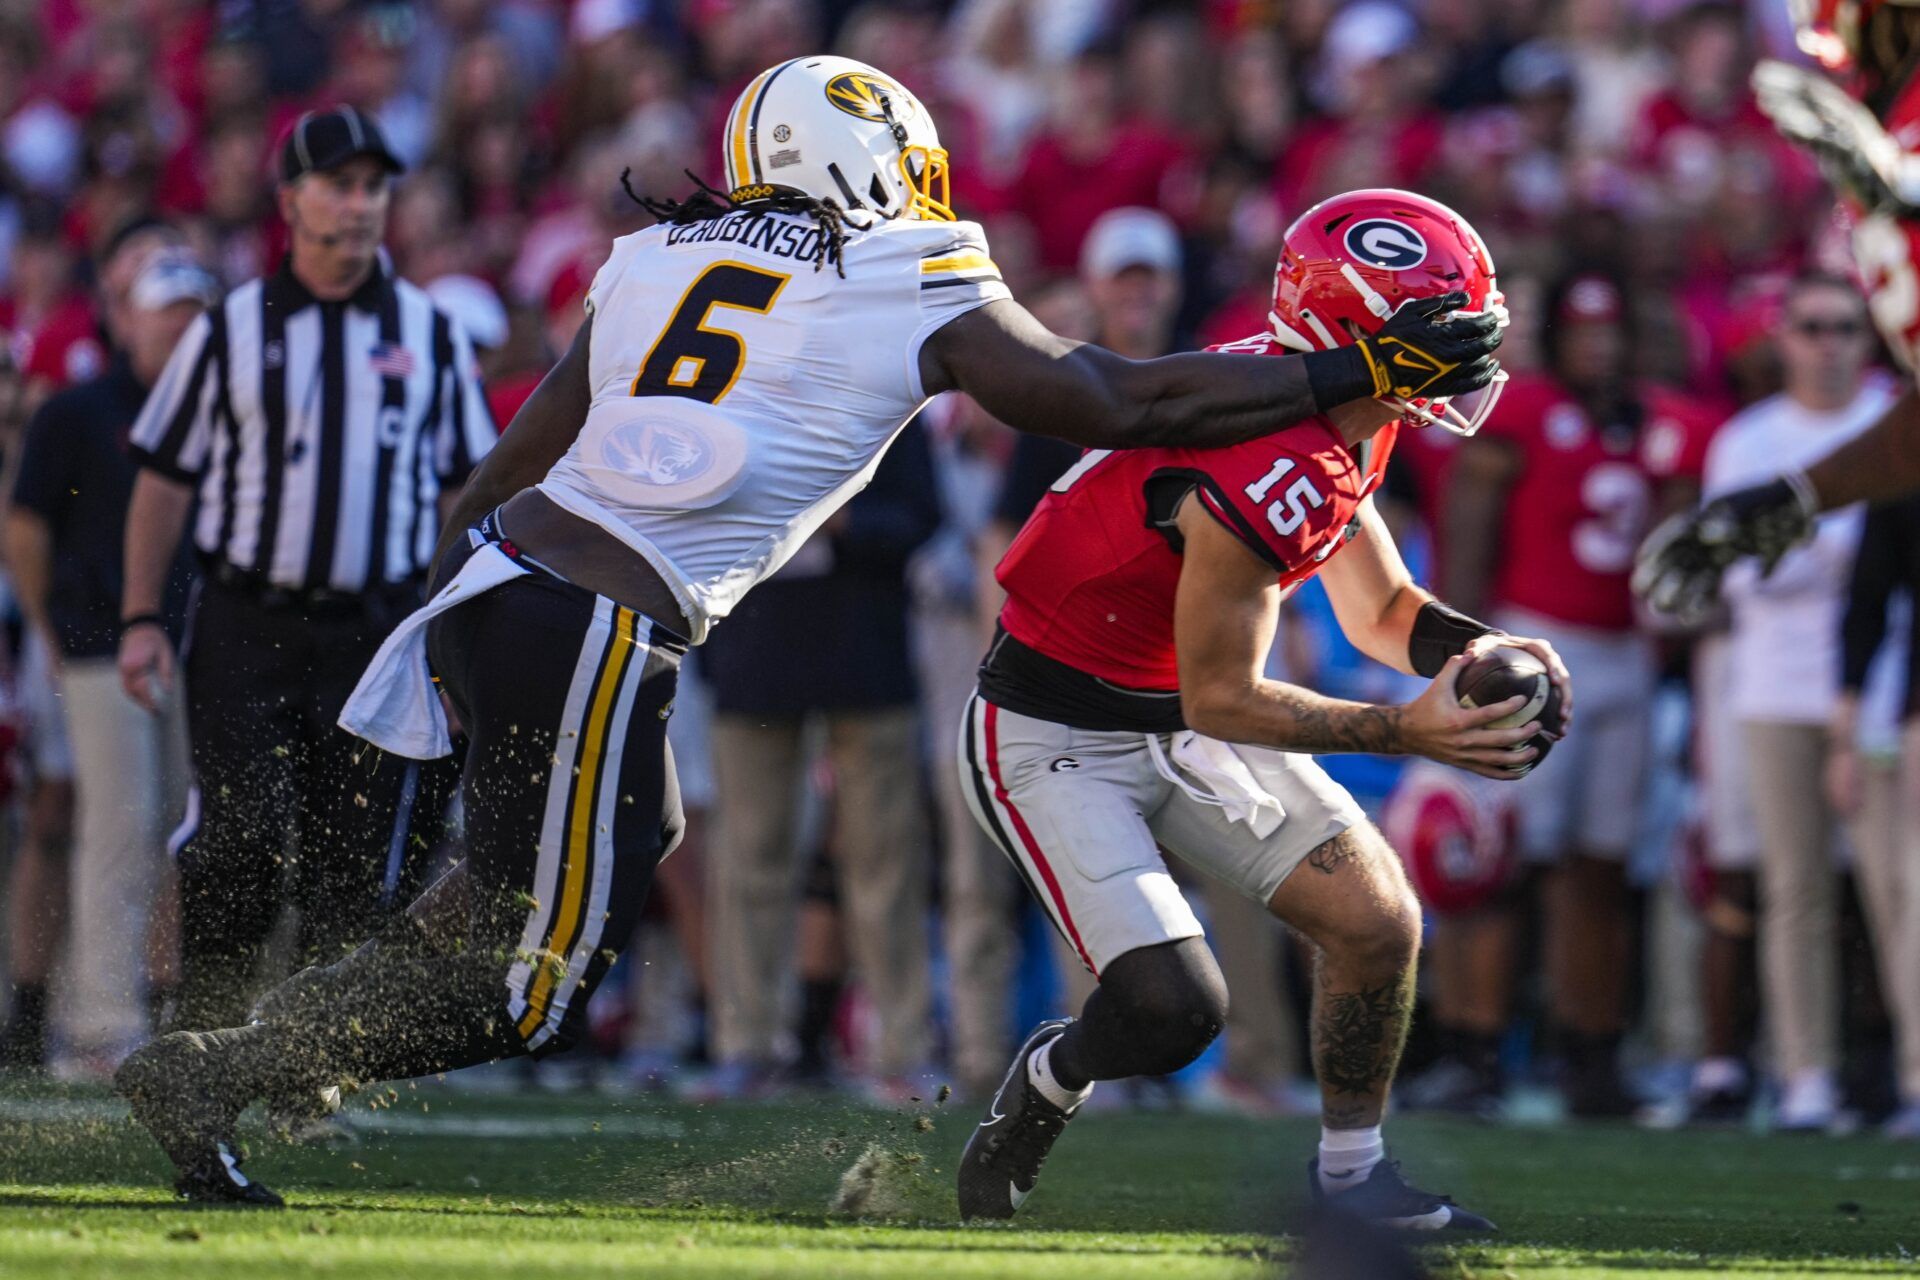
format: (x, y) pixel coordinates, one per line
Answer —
(1025, 375)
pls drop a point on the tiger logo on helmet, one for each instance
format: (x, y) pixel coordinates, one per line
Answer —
(1346, 263)
(840, 131)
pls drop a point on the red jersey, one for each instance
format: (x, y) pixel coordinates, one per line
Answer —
(1584, 498)
(1887, 249)
(1091, 577)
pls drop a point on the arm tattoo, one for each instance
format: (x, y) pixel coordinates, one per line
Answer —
(1358, 1035)
(1321, 724)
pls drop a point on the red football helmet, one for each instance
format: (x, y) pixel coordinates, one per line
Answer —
(1455, 832)
(1346, 263)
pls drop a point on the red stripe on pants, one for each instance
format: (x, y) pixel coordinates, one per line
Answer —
(1032, 846)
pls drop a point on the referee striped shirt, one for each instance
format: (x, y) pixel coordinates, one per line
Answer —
(319, 435)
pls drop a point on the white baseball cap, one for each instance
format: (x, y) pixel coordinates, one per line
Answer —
(173, 277)
(1130, 237)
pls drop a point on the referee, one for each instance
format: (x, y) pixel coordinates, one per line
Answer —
(312, 427)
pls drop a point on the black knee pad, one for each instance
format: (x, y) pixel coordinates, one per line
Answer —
(1170, 1001)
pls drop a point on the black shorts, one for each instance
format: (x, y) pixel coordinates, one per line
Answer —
(569, 789)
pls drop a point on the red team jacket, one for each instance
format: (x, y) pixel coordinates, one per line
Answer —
(1090, 579)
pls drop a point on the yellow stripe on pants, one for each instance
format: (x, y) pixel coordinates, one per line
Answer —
(587, 767)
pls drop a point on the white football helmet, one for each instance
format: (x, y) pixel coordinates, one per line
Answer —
(837, 130)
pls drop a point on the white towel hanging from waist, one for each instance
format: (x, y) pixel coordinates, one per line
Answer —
(395, 706)
(1223, 778)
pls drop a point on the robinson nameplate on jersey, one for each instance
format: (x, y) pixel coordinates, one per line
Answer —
(781, 237)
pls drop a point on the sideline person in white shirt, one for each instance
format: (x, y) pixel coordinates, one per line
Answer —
(1783, 675)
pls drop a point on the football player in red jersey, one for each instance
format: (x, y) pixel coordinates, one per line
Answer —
(1545, 510)
(1866, 134)
(1123, 711)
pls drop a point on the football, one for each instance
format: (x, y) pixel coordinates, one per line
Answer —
(1504, 672)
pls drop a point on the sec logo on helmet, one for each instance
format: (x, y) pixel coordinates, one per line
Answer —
(859, 94)
(1386, 243)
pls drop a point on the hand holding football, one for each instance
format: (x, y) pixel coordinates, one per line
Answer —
(1505, 672)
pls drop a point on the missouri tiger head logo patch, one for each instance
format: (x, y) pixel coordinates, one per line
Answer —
(859, 94)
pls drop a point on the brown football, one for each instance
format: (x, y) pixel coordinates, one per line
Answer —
(1504, 672)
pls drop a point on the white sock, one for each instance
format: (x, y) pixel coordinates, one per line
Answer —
(1347, 1156)
(1040, 1072)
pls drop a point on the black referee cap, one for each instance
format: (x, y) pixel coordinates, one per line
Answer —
(328, 139)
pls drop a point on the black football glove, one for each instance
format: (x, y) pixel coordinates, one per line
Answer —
(1422, 351)
(1680, 564)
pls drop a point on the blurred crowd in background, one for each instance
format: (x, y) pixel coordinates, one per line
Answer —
(834, 919)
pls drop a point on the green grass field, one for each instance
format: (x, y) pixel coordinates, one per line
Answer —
(458, 1186)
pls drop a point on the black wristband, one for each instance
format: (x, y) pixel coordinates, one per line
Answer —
(1438, 634)
(142, 619)
(1337, 377)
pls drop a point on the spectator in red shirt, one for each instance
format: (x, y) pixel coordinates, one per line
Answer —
(1093, 158)
(47, 318)
(1707, 120)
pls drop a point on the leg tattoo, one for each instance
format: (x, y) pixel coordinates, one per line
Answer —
(1328, 857)
(1357, 1039)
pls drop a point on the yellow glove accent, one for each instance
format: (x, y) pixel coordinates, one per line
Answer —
(1410, 371)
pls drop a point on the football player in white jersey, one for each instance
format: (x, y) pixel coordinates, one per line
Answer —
(744, 365)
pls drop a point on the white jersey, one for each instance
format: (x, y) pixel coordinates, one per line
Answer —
(740, 396)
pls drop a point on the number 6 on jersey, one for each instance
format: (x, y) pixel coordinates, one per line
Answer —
(701, 363)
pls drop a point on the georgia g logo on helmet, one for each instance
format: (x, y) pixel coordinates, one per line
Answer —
(860, 94)
(1386, 243)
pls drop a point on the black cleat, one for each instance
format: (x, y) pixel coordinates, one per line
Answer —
(1002, 1161)
(220, 1181)
(174, 1086)
(1386, 1200)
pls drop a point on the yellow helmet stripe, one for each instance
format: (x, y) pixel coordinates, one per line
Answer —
(737, 132)
(753, 119)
